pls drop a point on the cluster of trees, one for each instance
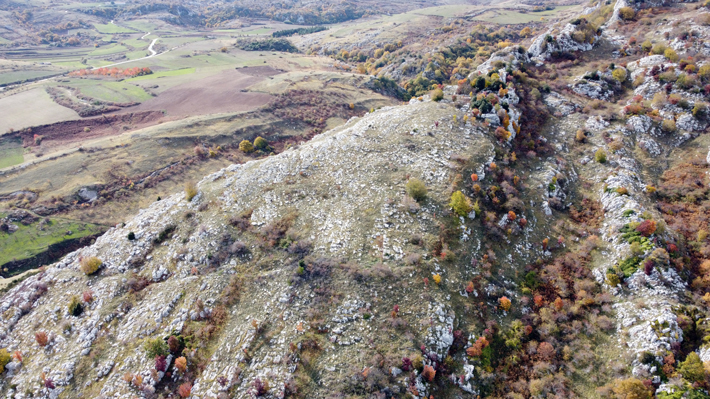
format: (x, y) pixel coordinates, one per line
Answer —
(113, 72)
(299, 31)
(318, 15)
(268, 45)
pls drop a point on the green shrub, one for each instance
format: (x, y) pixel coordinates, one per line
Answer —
(671, 55)
(260, 143)
(90, 265)
(700, 110)
(646, 46)
(246, 146)
(416, 189)
(685, 81)
(437, 95)
(600, 156)
(613, 279)
(131, 236)
(627, 13)
(658, 49)
(460, 204)
(668, 125)
(190, 190)
(619, 74)
(75, 307)
(4, 359)
(692, 368)
(704, 72)
(155, 347)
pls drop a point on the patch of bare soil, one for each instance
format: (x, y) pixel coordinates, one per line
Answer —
(221, 93)
(63, 133)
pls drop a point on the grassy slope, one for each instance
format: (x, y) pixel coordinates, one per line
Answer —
(11, 153)
(29, 241)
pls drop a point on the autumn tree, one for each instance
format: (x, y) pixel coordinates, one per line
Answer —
(4, 359)
(460, 203)
(631, 388)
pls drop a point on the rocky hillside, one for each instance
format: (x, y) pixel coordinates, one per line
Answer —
(538, 229)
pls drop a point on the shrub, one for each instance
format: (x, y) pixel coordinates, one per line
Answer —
(87, 296)
(190, 190)
(700, 110)
(504, 303)
(619, 74)
(4, 359)
(181, 364)
(668, 125)
(160, 363)
(631, 388)
(613, 279)
(546, 351)
(75, 308)
(41, 338)
(246, 146)
(174, 344)
(704, 71)
(437, 278)
(261, 387)
(646, 46)
(429, 373)
(671, 55)
(692, 368)
(437, 95)
(658, 49)
(600, 156)
(200, 151)
(477, 348)
(185, 390)
(90, 265)
(647, 227)
(260, 143)
(155, 347)
(416, 189)
(627, 13)
(580, 137)
(131, 236)
(685, 81)
(460, 203)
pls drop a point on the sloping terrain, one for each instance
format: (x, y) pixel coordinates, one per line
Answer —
(289, 233)
(533, 224)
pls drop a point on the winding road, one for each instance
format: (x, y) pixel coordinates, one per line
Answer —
(153, 53)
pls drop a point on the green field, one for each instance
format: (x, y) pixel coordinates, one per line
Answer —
(19, 76)
(107, 50)
(111, 28)
(134, 55)
(177, 72)
(11, 153)
(29, 241)
(120, 92)
(143, 26)
(137, 43)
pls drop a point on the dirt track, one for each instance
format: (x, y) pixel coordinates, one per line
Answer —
(221, 93)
